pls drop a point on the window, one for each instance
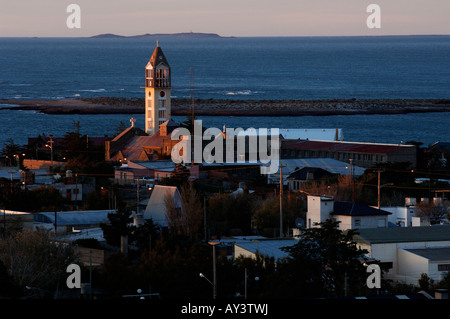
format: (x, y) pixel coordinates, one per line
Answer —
(444, 267)
(357, 222)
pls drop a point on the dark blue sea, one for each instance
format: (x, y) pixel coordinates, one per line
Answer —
(232, 68)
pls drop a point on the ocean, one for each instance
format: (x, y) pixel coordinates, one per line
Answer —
(263, 68)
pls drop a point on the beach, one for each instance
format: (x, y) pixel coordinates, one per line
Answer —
(229, 107)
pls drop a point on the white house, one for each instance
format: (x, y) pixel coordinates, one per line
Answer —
(349, 215)
(402, 216)
(409, 251)
(156, 207)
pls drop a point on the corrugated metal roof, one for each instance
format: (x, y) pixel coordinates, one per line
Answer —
(403, 234)
(270, 248)
(87, 217)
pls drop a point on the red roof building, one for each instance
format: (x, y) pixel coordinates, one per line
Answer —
(362, 154)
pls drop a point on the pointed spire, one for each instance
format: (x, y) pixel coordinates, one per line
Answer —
(158, 56)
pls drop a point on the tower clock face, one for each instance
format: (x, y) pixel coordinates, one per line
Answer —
(162, 94)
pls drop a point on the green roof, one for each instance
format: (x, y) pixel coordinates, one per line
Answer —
(403, 234)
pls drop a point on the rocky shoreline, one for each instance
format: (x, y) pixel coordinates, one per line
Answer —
(116, 105)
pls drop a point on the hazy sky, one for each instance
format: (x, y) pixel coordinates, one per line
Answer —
(225, 17)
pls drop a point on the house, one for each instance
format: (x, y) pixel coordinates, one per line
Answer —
(128, 173)
(305, 174)
(156, 207)
(253, 245)
(66, 221)
(289, 165)
(350, 215)
(408, 251)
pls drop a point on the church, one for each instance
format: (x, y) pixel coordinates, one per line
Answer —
(153, 143)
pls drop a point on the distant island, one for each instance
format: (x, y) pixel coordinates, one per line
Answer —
(161, 35)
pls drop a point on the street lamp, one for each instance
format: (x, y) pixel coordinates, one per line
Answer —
(213, 244)
(212, 284)
(245, 282)
(50, 145)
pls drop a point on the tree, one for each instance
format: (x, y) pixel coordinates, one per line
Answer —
(178, 177)
(187, 218)
(436, 213)
(145, 236)
(327, 261)
(266, 217)
(119, 225)
(41, 199)
(12, 152)
(340, 188)
(230, 214)
(425, 282)
(33, 259)
(8, 289)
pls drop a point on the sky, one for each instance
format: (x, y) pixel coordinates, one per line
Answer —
(47, 18)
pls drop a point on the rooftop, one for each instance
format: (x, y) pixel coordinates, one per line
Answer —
(432, 253)
(403, 234)
(355, 209)
(270, 248)
(86, 217)
(329, 164)
(339, 146)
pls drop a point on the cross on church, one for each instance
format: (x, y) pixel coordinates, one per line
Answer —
(132, 120)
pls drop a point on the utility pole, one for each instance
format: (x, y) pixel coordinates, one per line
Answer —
(281, 202)
(353, 180)
(137, 197)
(379, 186)
(191, 87)
(204, 216)
(213, 244)
(50, 145)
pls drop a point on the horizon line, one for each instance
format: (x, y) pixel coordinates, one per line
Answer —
(163, 35)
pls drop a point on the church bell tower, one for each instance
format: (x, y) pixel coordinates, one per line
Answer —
(157, 91)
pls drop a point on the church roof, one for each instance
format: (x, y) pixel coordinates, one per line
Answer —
(133, 149)
(158, 57)
(137, 131)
